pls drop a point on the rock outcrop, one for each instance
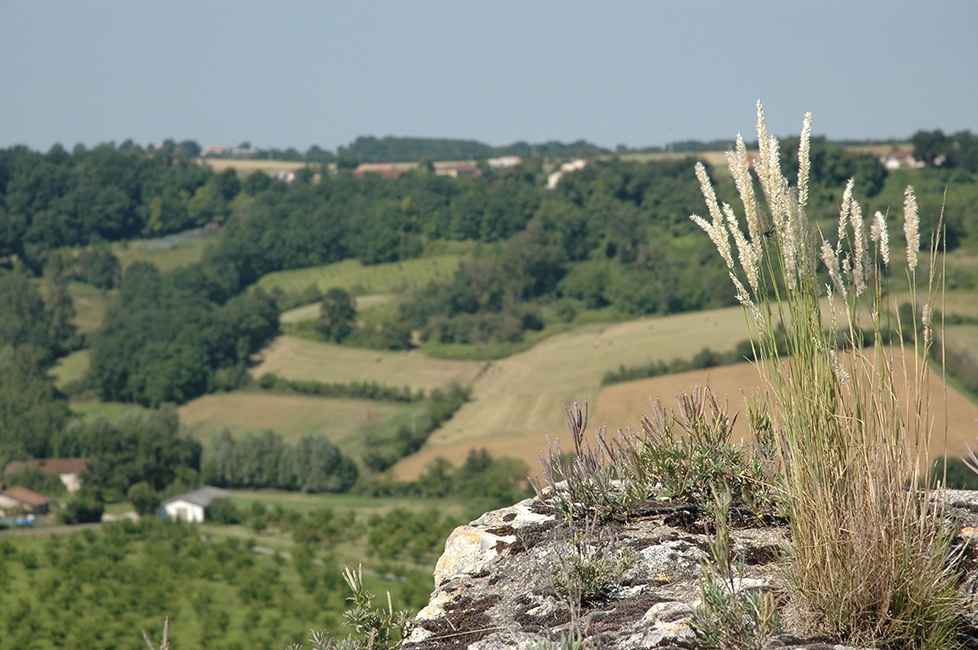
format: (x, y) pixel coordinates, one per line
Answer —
(497, 584)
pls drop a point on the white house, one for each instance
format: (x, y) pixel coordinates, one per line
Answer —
(192, 506)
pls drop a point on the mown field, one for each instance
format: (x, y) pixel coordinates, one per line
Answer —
(295, 358)
(621, 404)
(358, 279)
(311, 311)
(349, 423)
(963, 337)
(962, 303)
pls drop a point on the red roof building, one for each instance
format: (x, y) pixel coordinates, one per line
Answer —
(20, 497)
(67, 469)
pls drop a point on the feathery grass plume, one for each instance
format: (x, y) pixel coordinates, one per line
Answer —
(745, 251)
(717, 232)
(911, 227)
(844, 210)
(740, 170)
(880, 236)
(869, 560)
(861, 264)
(804, 148)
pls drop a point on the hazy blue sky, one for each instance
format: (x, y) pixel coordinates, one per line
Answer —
(300, 73)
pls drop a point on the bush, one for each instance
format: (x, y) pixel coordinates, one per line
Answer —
(83, 510)
(223, 511)
(143, 498)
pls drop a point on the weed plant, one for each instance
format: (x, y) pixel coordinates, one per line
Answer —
(381, 629)
(589, 562)
(731, 617)
(675, 456)
(869, 561)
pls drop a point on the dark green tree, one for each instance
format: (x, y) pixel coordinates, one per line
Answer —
(338, 314)
(32, 411)
(143, 498)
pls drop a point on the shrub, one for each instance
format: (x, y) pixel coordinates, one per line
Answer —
(143, 498)
(83, 510)
(223, 511)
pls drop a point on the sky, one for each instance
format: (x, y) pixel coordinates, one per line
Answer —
(294, 74)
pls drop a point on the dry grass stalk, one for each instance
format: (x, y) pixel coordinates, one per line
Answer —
(869, 561)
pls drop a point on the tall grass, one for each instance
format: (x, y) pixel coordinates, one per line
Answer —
(869, 560)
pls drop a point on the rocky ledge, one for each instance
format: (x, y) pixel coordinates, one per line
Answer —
(496, 585)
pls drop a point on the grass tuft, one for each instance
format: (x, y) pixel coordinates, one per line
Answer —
(869, 560)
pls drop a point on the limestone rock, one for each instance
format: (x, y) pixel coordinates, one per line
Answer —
(495, 586)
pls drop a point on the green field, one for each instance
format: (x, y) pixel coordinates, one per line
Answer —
(295, 358)
(166, 253)
(94, 408)
(962, 303)
(70, 368)
(350, 424)
(358, 279)
(91, 304)
(963, 337)
(101, 587)
(367, 308)
(362, 506)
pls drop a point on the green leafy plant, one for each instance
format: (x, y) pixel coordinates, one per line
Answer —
(570, 641)
(684, 456)
(585, 481)
(589, 562)
(731, 617)
(382, 628)
(869, 561)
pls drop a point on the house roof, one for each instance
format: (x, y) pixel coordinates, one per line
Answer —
(201, 496)
(25, 496)
(53, 465)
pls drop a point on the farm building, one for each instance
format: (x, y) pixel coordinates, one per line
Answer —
(69, 470)
(192, 506)
(18, 497)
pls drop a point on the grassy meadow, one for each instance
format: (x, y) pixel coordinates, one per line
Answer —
(91, 303)
(311, 312)
(302, 359)
(90, 409)
(70, 368)
(349, 423)
(358, 279)
(166, 253)
(517, 399)
(963, 337)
